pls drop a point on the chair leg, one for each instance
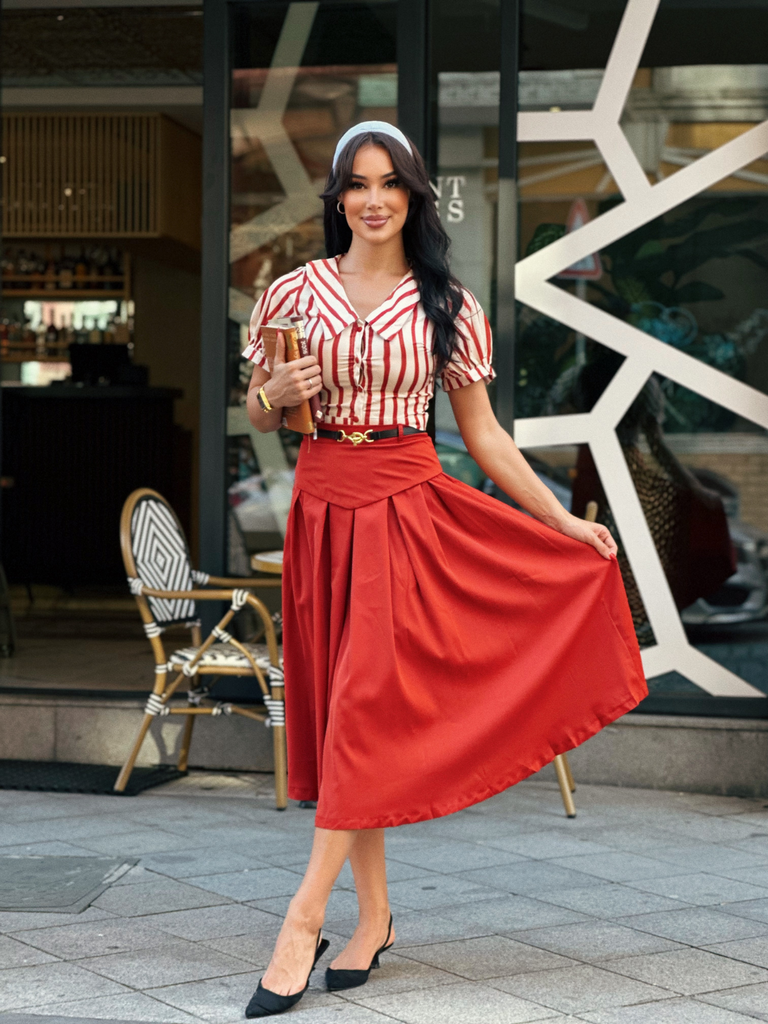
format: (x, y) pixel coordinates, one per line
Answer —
(125, 771)
(569, 773)
(157, 691)
(565, 789)
(186, 739)
(281, 767)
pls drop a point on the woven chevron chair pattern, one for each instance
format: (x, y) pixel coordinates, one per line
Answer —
(162, 558)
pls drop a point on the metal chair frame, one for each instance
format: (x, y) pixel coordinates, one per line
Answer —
(236, 591)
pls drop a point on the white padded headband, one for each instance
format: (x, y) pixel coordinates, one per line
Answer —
(382, 127)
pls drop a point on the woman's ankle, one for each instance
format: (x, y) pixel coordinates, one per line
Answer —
(374, 919)
(305, 916)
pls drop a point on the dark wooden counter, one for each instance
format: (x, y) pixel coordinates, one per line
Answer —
(70, 457)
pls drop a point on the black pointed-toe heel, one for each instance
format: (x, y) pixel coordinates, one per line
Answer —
(265, 1003)
(337, 980)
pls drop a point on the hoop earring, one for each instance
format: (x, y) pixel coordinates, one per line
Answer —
(339, 207)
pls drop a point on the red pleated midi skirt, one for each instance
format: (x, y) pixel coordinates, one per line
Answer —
(439, 646)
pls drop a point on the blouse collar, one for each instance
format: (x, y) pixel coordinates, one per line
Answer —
(336, 313)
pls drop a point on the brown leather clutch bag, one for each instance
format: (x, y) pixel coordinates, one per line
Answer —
(300, 418)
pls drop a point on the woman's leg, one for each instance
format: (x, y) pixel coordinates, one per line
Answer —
(368, 866)
(295, 946)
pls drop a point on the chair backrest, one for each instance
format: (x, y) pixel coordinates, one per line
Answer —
(155, 551)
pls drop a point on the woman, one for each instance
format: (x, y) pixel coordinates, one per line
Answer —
(439, 646)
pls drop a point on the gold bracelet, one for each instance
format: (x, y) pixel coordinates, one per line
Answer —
(263, 400)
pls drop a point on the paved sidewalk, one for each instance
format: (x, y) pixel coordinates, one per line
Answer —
(649, 908)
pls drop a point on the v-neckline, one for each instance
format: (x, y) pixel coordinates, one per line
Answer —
(371, 316)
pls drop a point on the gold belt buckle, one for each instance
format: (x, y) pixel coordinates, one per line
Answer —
(355, 438)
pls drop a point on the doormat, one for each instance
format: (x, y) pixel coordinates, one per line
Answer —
(57, 885)
(63, 777)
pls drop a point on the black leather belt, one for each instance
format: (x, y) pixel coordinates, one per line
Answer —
(357, 437)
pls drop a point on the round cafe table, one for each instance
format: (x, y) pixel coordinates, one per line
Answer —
(268, 561)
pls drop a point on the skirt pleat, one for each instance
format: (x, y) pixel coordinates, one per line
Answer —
(439, 645)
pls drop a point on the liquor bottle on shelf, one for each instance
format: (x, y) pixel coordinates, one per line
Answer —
(4, 339)
(93, 332)
(81, 270)
(51, 337)
(24, 266)
(122, 333)
(95, 269)
(9, 265)
(37, 266)
(66, 273)
(28, 341)
(51, 272)
(109, 270)
(66, 338)
(41, 341)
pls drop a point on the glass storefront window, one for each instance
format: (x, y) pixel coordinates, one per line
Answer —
(641, 367)
(675, 453)
(465, 63)
(303, 74)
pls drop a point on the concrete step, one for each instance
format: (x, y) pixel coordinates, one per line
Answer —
(725, 756)
(101, 730)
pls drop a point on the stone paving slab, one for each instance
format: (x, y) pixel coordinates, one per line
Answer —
(50, 984)
(751, 951)
(700, 889)
(579, 988)
(688, 925)
(18, 954)
(751, 999)
(131, 1008)
(139, 1004)
(688, 972)
(756, 910)
(590, 941)
(464, 1002)
(672, 1011)
(113, 935)
(648, 908)
(156, 897)
(174, 963)
(509, 914)
(489, 956)
(204, 924)
(609, 901)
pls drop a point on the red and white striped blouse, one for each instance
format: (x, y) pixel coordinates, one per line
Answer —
(377, 371)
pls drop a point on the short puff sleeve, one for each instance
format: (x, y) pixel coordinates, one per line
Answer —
(278, 300)
(255, 347)
(471, 360)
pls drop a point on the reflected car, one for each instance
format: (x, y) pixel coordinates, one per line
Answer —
(744, 596)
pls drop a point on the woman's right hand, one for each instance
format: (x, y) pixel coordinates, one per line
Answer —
(293, 382)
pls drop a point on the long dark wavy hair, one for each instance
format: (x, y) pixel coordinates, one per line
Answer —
(424, 238)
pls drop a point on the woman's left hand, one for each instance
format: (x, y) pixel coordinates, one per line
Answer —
(596, 534)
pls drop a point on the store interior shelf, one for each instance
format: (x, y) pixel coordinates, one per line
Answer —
(69, 296)
(31, 357)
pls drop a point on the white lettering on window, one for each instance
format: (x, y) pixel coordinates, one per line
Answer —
(455, 211)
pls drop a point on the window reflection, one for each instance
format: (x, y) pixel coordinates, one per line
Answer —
(694, 279)
(303, 75)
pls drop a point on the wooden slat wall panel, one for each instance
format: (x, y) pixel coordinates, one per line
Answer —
(80, 175)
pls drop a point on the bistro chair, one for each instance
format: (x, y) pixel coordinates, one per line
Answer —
(166, 588)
